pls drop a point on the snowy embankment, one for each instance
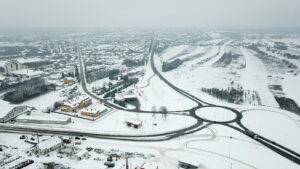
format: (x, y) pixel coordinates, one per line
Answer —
(254, 78)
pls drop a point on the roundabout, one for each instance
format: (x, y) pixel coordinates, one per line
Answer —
(216, 115)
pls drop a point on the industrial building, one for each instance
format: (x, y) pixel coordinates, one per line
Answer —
(43, 118)
(49, 145)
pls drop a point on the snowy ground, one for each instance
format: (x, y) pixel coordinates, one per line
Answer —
(215, 147)
(215, 114)
(291, 86)
(255, 78)
(154, 93)
(279, 126)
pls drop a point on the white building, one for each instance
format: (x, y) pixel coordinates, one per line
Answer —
(28, 73)
(49, 145)
(43, 118)
(12, 66)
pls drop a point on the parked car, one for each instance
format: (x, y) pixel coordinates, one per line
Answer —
(109, 164)
(66, 141)
(22, 137)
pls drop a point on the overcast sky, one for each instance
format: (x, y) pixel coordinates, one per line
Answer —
(150, 13)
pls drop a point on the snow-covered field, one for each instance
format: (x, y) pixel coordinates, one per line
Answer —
(215, 114)
(255, 78)
(279, 126)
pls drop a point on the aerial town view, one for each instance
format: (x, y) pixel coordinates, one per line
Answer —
(136, 85)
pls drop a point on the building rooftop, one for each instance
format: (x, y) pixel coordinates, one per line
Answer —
(93, 108)
(51, 142)
(34, 115)
(28, 72)
(134, 121)
(76, 100)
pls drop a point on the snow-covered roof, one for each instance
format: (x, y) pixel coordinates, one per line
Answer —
(81, 153)
(28, 72)
(34, 115)
(51, 142)
(28, 60)
(5, 108)
(129, 96)
(76, 100)
(93, 108)
(134, 121)
(2, 63)
(122, 96)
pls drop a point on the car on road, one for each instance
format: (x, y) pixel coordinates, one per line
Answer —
(250, 133)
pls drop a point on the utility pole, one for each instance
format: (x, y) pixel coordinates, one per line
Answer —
(37, 136)
(127, 167)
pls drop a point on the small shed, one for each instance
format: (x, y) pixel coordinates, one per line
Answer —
(136, 123)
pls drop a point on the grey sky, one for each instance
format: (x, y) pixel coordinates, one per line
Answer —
(150, 13)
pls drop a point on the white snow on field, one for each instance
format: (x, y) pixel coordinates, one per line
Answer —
(46, 100)
(280, 126)
(217, 57)
(191, 76)
(236, 152)
(210, 52)
(115, 122)
(153, 92)
(173, 51)
(159, 94)
(199, 50)
(213, 42)
(290, 87)
(255, 78)
(215, 114)
(294, 61)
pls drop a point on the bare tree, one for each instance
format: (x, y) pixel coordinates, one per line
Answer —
(164, 111)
